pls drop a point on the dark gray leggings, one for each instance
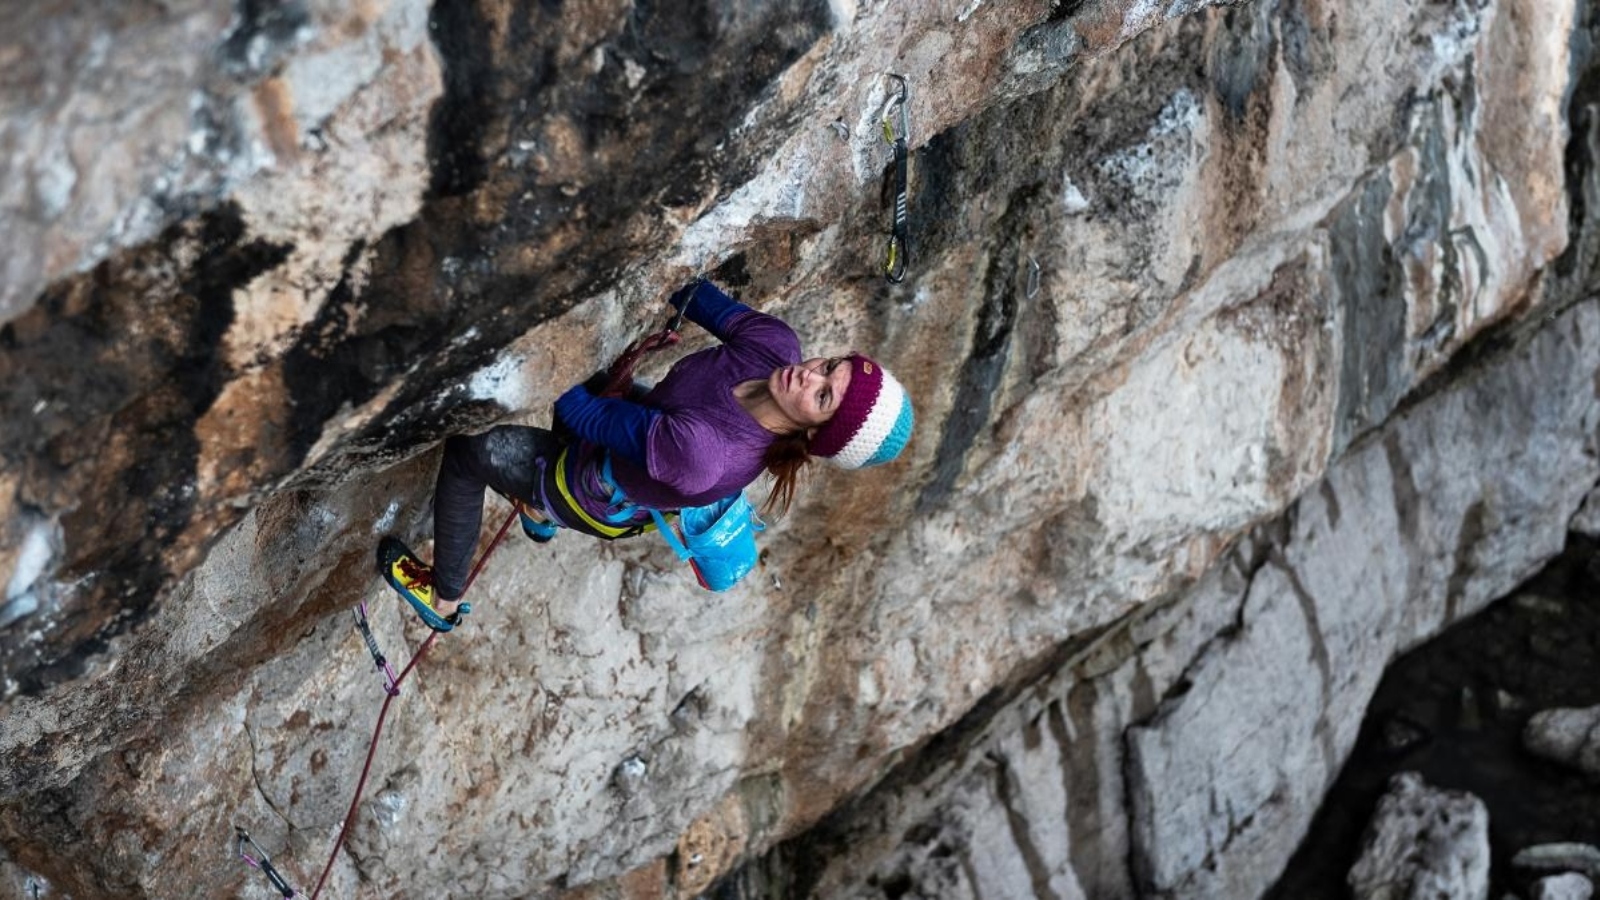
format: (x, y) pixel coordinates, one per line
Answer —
(510, 459)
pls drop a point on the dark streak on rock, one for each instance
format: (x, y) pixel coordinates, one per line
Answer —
(1428, 206)
(141, 367)
(333, 363)
(1307, 53)
(461, 33)
(1063, 9)
(1319, 656)
(941, 171)
(1372, 374)
(1008, 790)
(1406, 501)
(1242, 57)
(1330, 500)
(1580, 260)
(1473, 531)
(985, 365)
(1087, 840)
(263, 31)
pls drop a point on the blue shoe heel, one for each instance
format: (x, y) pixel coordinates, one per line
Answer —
(539, 532)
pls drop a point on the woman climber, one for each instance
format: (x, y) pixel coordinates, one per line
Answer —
(719, 418)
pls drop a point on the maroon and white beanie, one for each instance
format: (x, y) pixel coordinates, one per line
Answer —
(872, 423)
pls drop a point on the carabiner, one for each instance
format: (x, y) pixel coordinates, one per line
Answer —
(676, 324)
(902, 99)
(260, 861)
(894, 259)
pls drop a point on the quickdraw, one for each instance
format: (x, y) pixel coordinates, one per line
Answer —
(899, 254)
(260, 861)
(391, 685)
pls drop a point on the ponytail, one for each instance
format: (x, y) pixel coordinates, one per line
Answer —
(784, 459)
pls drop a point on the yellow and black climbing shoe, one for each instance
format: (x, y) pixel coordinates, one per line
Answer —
(413, 580)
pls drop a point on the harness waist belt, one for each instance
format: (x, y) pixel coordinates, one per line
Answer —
(571, 512)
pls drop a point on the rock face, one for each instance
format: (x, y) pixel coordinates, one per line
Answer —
(1251, 343)
(1583, 858)
(1566, 736)
(1424, 842)
(1567, 886)
(1193, 739)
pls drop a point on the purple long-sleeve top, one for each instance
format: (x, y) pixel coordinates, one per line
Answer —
(688, 442)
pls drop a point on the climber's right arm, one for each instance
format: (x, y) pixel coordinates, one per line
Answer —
(708, 306)
(620, 426)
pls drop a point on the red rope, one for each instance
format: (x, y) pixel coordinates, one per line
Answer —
(619, 379)
(377, 730)
(619, 375)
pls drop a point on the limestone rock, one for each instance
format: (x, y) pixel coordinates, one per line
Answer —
(1559, 857)
(1130, 723)
(1301, 371)
(1587, 519)
(1424, 842)
(1567, 736)
(1567, 886)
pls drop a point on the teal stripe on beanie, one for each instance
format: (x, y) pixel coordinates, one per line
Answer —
(897, 438)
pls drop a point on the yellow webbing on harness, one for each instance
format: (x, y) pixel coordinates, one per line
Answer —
(602, 528)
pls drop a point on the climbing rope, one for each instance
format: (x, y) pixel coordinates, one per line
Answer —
(899, 254)
(366, 768)
(619, 377)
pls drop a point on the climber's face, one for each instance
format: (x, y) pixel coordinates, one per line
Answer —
(808, 393)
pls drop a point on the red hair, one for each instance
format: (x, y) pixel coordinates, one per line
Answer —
(784, 459)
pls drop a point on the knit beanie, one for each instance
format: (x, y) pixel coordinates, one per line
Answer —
(871, 424)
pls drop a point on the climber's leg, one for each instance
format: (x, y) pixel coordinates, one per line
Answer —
(504, 459)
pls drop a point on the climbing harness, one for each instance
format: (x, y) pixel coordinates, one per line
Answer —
(568, 465)
(390, 683)
(261, 861)
(377, 730)
(894, 267)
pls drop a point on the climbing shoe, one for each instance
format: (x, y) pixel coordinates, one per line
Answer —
(413, 580)
(538, 530)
